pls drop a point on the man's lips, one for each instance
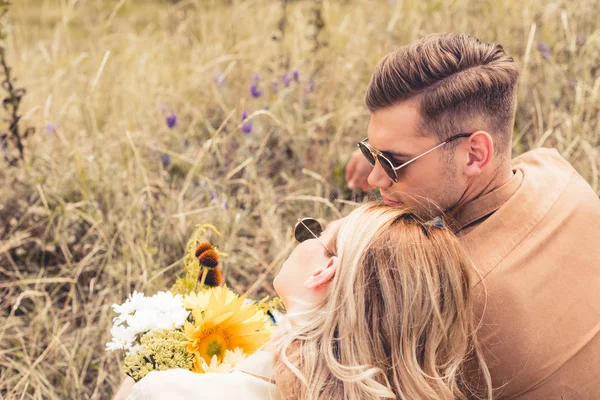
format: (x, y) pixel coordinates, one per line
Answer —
(389, 201)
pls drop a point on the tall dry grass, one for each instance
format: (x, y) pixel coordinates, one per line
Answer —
(109, 194)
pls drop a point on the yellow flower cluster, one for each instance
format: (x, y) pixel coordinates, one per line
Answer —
(160, 350)
(267, 304)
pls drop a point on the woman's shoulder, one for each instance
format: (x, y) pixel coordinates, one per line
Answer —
(249, 380)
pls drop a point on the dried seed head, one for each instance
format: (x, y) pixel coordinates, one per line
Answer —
(202, 247)
(209, 259)
(213, 277)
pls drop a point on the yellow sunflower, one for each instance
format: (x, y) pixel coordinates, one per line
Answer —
(223, 322)
(196, 300)
(229, 361)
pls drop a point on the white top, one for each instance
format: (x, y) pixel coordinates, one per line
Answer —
(249, 380)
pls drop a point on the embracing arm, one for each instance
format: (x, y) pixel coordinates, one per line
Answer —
(357, 171)
(124, 389)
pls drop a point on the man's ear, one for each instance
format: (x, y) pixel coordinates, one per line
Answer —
(480, 153)
(322, 277)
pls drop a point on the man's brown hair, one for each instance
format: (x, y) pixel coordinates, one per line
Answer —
(462, 85)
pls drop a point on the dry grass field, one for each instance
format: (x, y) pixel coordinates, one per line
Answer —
(138, 107)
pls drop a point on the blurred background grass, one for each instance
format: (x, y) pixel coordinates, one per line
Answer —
(138, 110)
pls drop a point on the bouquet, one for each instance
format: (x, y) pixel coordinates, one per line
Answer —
(198, 325)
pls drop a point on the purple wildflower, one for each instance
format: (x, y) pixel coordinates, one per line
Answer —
(225, 205)
(286, 79)
(275, 86)
(255, 91)
(296, 75)
(544, 49)
(49, 128)
(247, 127)
(214, 196)
(165, 160)
(310, 86)
(171, 120)
(219, 79)
(256, 77)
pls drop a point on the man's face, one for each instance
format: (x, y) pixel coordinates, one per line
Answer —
(429, 183)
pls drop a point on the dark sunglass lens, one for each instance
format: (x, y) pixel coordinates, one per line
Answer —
(367, 153)
(387, 167)
(302, 234)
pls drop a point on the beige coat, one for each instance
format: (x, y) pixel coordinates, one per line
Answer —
(536, 242)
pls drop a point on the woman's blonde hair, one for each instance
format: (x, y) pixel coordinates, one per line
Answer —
(397, 321)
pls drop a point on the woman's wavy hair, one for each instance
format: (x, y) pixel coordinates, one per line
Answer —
(397, 320)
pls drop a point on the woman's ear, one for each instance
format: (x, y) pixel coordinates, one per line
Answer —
(322, 277)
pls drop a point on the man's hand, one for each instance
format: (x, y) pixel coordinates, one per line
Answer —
(357, 171)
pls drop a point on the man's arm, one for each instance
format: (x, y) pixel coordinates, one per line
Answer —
(357, 171)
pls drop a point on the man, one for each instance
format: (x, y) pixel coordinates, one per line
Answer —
(439, 138)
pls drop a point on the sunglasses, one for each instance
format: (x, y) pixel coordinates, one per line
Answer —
(309, 228)
(373, 155)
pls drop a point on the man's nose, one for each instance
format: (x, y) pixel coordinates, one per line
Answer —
(378, 177)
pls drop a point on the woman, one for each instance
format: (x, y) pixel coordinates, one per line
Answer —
(379, 306)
